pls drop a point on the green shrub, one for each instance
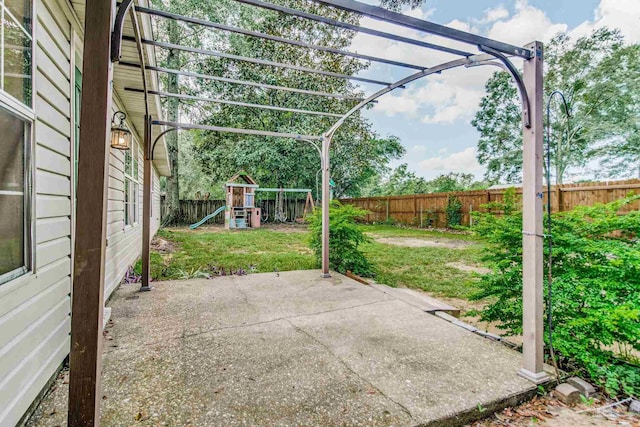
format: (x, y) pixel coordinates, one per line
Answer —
(344, 238)
(596, 287)
(454, 212)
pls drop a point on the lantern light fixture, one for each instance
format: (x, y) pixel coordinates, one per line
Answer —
(120, 133)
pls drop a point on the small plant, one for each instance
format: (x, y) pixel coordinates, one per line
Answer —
(345, 237)
(587, 401)
(131, 276)
(193, 274)
(454, 211)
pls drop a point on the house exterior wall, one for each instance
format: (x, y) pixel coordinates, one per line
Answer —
(123, 241)
(35, 308)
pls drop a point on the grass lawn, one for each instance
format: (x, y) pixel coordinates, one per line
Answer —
(182, 253)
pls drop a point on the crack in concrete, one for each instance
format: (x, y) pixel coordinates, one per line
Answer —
(346, 365)
(249, 325)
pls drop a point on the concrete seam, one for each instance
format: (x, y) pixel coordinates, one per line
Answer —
(346, 365)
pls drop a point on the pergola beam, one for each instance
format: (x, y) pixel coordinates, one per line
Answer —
(240, 58)
(352, 27)
(264, 36)
(406, 21)
(236, 130)
(243, 82)
(402, 82)
(237, 103)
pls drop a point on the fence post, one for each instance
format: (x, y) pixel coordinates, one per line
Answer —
(415, 208)
(559, 197)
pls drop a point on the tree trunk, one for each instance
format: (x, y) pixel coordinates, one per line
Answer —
(172, 199)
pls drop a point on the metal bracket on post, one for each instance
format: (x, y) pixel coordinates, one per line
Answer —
(118, 25)
(163, 133)
(511, 69)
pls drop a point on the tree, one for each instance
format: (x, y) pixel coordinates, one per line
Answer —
(170, 31)
(357, 151)
(401, 181)
(599, 94)
(620, 156)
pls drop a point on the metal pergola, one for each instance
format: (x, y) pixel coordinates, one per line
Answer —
(103, 43)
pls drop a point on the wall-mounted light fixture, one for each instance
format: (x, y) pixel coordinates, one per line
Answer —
(120, 133)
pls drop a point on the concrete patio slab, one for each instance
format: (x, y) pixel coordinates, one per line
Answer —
(290, 349)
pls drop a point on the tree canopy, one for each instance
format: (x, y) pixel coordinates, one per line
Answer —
(402, 181)
(598, 76)
(358, 152)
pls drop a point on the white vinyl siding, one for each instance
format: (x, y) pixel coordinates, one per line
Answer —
(35, 308)
(124, 241)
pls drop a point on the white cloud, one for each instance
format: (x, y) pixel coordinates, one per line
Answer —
(418, 149)
(492, 15)
(526, 25)
(392, 105)
(454, 95)
(622, 14)
(463, 161)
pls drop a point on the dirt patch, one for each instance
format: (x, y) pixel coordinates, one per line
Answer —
(411, 242)
(469, 268)
(163, 246)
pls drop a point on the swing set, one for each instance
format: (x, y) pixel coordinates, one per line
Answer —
(281, 210)
(241, 210)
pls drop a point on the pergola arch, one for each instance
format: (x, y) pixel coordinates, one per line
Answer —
(489, 52)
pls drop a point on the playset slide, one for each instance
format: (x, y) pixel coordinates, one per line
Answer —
(207, 218)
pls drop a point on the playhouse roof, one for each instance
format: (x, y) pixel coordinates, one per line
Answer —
(242, 178)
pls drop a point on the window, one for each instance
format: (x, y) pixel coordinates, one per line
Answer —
(16, 66)
(15, 193)
(131, 185)
(15, 145)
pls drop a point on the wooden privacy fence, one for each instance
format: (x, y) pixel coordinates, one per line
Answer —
(429, 210)
(192, 211)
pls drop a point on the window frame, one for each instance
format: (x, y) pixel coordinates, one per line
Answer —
(4, 9)
(9, 104)
(26, 113)
(131, 186)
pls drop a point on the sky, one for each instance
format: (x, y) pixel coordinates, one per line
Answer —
(432, 116)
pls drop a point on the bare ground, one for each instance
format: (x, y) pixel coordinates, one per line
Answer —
(411, 242)
(469, 268)
(550, 412)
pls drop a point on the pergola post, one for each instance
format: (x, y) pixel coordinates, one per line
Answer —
(326, 142)
(147, 184)
(88, 278)
(532, 232)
